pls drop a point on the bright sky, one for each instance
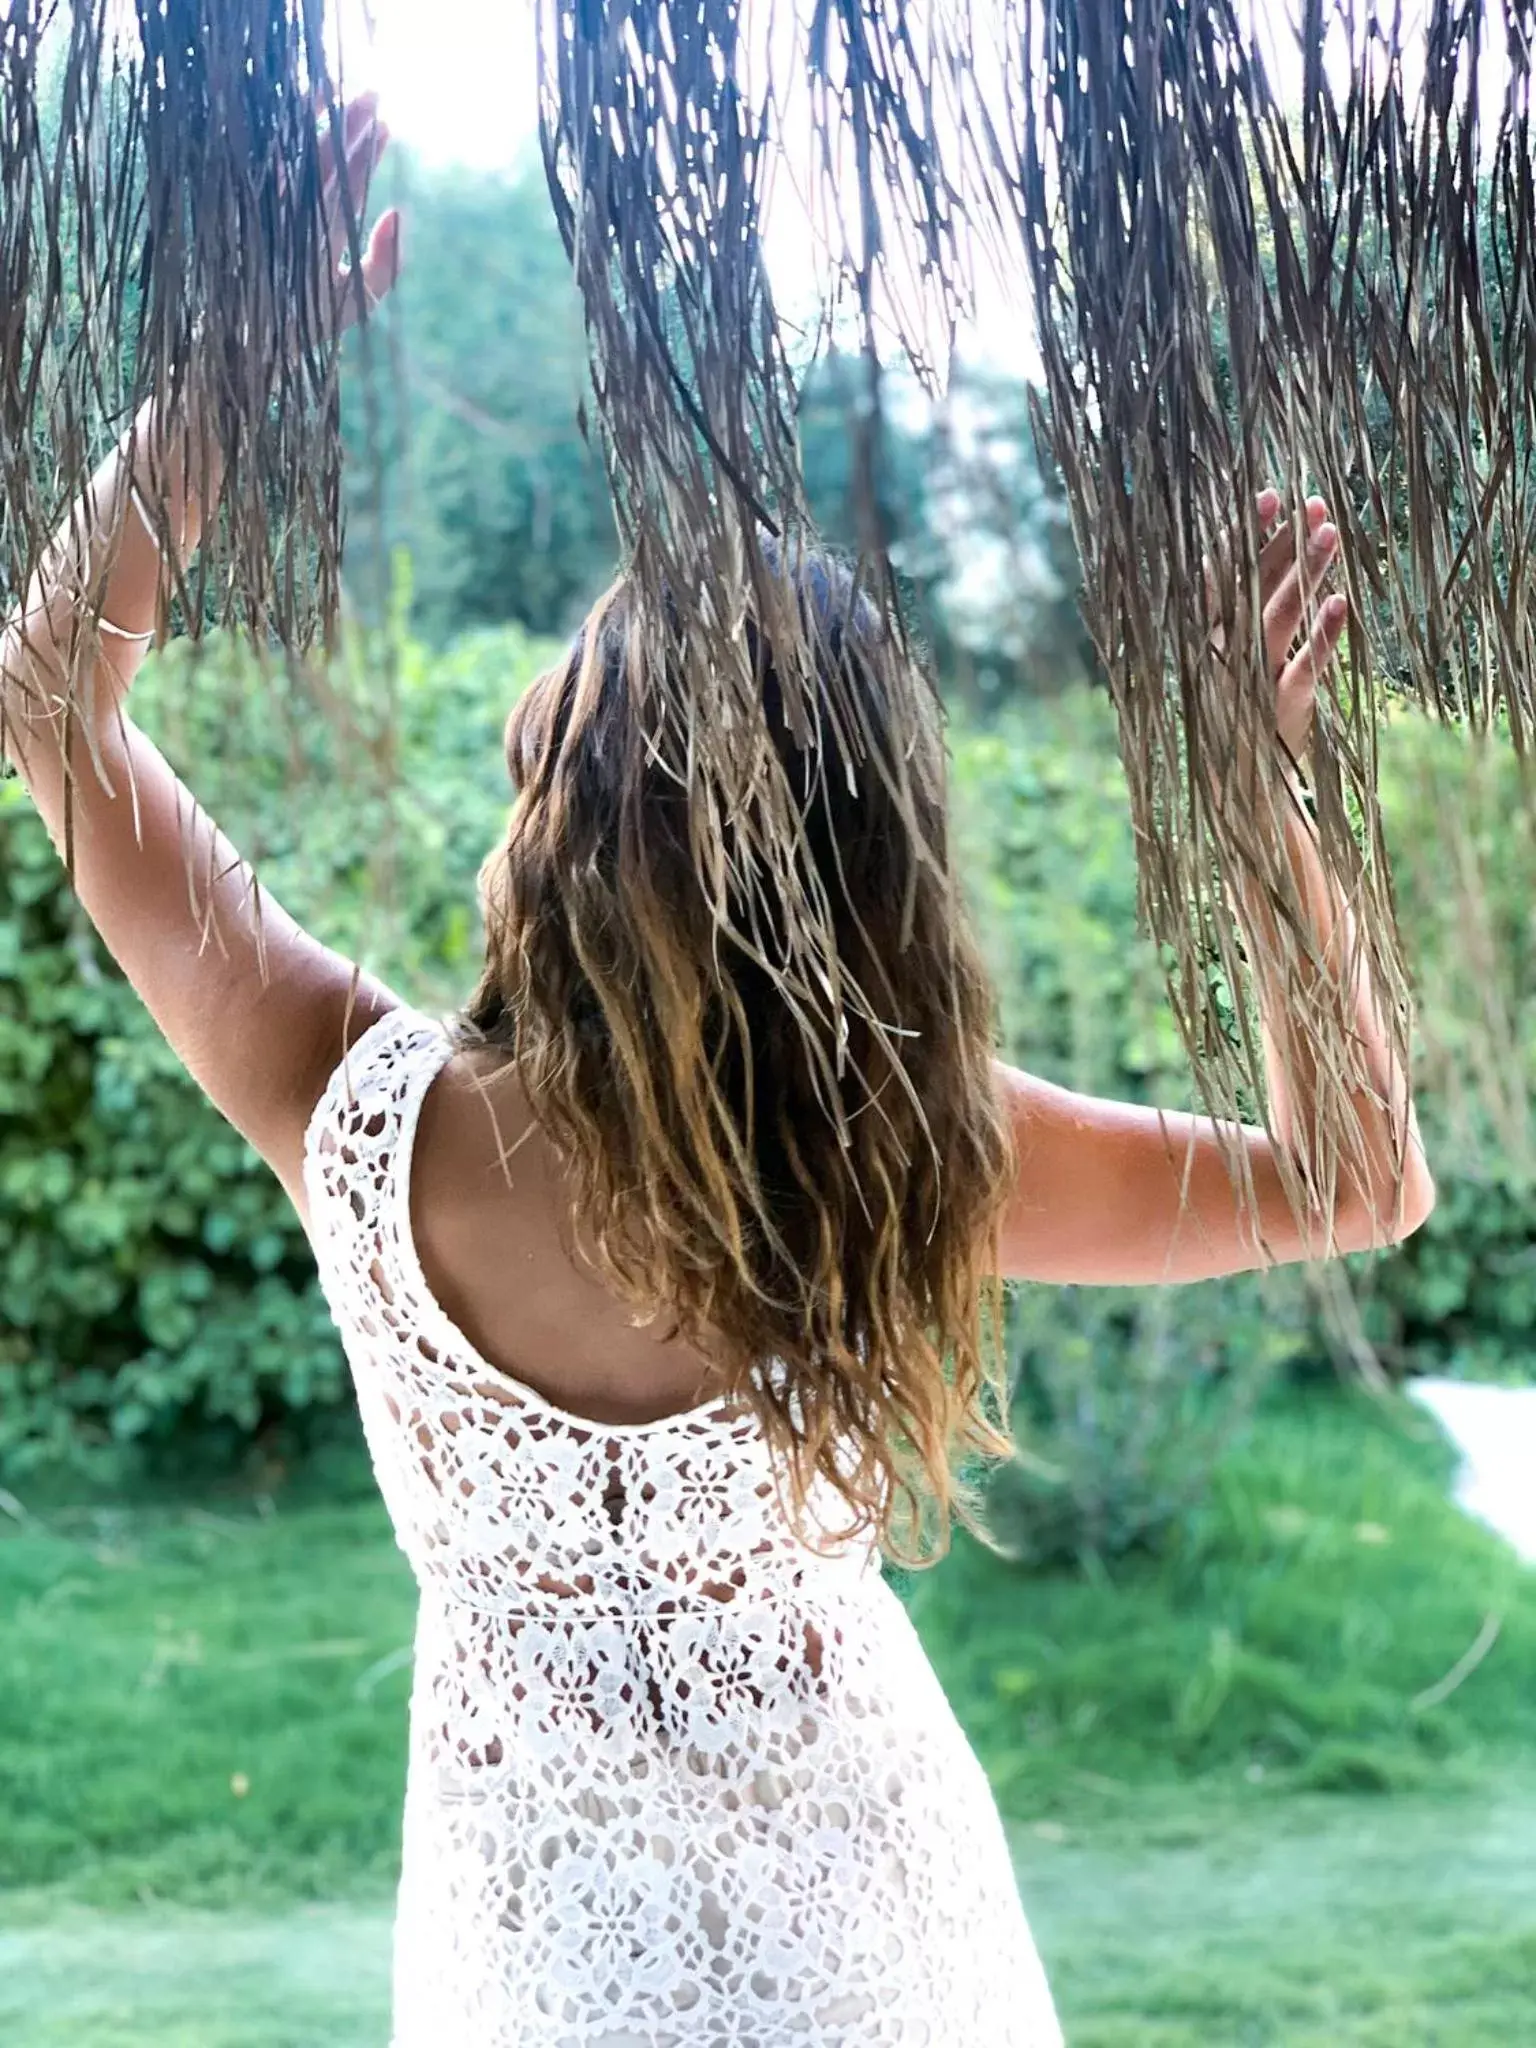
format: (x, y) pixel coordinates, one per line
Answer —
(457, 81)
(456, 77)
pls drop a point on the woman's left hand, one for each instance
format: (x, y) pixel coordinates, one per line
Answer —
(1298, 646)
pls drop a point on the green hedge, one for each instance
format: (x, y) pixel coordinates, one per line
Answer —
(1461, 1295)
(156, 1289)
(1124, 1397)
(1041, 803)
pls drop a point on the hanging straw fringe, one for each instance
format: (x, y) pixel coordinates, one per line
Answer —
(657, 156)
(1230, 287)
(1331, 292)
(158, 234)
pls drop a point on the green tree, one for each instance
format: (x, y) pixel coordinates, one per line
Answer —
(473, 458)
(1007, 575)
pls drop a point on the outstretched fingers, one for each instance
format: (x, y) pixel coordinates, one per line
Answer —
(363, 140)
(357, 117)
(1276, 555)
(364, 149)
(1306, 666)
(1219, 566)
(1295, 582)
(383, 256)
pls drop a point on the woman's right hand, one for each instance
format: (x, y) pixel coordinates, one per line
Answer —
(350, 151)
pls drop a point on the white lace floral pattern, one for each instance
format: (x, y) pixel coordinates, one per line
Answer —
(675, 1780)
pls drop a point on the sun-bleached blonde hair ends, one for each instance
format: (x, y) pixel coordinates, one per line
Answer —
(781, 1129)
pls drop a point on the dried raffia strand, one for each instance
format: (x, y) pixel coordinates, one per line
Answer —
(1229, 291)
(656, 160)
(190, 271)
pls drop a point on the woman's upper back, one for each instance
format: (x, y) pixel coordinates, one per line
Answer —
(508, 1498)
(486, 1202)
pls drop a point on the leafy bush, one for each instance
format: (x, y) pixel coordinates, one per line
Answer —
(1125, 1397)
(1295, 1628)
(1042, 823)
(1461, 1295)
(155, 1283)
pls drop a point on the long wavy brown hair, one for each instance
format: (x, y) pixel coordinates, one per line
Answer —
(823, 1198)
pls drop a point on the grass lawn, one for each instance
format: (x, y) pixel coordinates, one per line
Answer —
(204, 1703)
(1325, 1921)
(288, 1977)
(1295, 1633)
(1245, 1807)
(1328, 1921)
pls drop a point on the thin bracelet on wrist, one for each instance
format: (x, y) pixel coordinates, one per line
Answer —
(136, 499)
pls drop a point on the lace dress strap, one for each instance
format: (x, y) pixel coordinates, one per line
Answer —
(358, 1139)
(385, 1068)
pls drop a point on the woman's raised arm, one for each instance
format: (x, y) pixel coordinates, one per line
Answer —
(254, 1007)
(1111, 1193)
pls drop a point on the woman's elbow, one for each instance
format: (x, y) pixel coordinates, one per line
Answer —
(1417, 1203)
(1388, 1215)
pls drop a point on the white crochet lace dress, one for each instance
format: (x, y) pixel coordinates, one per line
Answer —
(675, 1781)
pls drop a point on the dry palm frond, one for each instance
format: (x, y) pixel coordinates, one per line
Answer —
(657, 156)
(1232, 287)
(159, 233)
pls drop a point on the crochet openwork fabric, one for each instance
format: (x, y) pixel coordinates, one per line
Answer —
(675, 1780)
